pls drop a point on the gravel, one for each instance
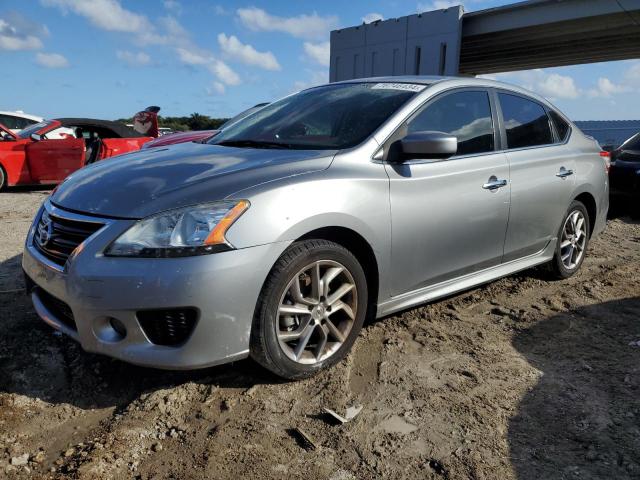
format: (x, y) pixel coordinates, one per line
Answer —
(524, 378)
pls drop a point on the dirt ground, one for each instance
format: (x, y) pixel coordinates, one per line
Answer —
(521, 379)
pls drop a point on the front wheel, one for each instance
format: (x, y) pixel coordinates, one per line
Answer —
(573, 239)
(310, 310)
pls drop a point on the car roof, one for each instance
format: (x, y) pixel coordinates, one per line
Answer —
(22, 115)
(453, 81)
(118, 128)
(419, 79)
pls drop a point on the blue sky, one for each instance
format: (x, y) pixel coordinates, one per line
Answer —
(110, 58)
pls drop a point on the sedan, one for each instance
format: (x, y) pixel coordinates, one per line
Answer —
(279, 237)
(625, 168)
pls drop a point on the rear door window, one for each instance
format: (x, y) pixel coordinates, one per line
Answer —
(525, 121)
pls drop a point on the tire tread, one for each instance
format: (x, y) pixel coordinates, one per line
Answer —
(259, 349)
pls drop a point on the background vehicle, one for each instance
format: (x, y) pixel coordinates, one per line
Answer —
(199, 135)
(16, 121)
(290, 227)
(46, 152)
(625, 167)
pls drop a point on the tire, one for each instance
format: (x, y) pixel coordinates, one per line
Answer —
(559, 267)
(3, 179)
(329, 324)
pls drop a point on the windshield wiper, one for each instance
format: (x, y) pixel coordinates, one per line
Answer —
(253, 144)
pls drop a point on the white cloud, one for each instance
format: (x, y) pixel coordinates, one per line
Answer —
(105, 14)
(224, 73)
(194, 57)
(557, 86)
(318, 52)
(311, 26)
(605, 88)
(220, 10)
(111, 15)
(217, 88)
(17, 33)
(549, 85)
(51, 60)
(372, 17)
(632, 75)
(173, 5)
(134, 59)
(234, 48)
(315, 78)
(197, 57)
(168, 31)
(438, 5)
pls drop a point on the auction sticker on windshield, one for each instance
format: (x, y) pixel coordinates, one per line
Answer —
(411, 87)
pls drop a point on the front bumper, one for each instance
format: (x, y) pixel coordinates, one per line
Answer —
(223, 287)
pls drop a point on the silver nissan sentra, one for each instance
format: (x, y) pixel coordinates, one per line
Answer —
(281, 235)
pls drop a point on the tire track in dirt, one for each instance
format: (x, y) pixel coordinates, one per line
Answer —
(450, 386)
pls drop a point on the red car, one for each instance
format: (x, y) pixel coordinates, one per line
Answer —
(47, 152)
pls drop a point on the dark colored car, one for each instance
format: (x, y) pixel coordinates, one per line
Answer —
(624, 176)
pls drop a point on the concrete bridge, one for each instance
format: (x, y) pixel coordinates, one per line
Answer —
(524, 35)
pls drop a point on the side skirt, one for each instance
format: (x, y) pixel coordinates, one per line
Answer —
(465, 282)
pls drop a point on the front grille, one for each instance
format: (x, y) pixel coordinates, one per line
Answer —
(57, 307)
(169, 327)
(56, 237)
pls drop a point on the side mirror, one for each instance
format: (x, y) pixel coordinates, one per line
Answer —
(428, 145)
(35, 137)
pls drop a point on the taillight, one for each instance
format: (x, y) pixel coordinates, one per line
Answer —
(606, 156)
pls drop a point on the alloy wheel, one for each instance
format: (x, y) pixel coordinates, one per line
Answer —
(574, 240)
(317, 312)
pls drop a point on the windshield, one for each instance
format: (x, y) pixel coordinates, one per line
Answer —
(35, 128)
(241, 115)
(323, 118)
(631, 144)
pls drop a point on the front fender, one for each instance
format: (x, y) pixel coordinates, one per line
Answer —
(289, 209)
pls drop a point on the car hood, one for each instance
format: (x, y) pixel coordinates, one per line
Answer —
(145, 182)
(180, 137)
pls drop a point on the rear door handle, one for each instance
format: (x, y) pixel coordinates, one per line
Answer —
(563, 172)
(494, 183)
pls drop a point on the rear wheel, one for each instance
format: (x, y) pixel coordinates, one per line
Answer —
(310, 311)
(573, 239)
(3, 179)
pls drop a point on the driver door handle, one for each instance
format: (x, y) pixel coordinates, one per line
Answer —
(563, 172)
(494, 183)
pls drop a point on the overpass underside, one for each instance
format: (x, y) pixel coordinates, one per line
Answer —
(519, 36)
(586, 40)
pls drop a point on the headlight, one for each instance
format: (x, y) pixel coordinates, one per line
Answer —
(196, 230)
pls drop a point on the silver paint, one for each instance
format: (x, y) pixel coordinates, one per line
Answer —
(435, 227)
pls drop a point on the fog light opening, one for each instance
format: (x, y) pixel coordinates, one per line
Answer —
(118, 326)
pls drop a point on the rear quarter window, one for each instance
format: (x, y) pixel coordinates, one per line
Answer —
(560, 124)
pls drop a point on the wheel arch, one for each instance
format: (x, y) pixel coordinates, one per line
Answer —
(360, 248)
(589, 201)
(4, 178)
